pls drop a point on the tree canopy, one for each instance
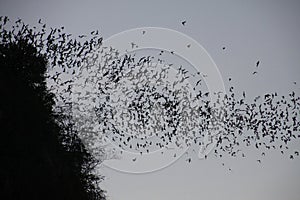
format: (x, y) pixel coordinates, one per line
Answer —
(41, 155)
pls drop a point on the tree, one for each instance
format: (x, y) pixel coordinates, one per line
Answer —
(41, 155)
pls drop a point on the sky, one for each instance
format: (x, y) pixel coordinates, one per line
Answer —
(266, 30)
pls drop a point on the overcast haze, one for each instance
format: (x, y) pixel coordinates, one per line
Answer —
(258, 30)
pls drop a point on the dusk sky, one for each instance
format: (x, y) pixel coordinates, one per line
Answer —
(267, 31)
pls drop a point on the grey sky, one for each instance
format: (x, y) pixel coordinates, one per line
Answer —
(251, 30)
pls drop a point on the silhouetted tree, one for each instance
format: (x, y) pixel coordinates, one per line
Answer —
(41, 155)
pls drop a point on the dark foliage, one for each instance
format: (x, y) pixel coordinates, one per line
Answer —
(41, 156)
